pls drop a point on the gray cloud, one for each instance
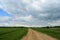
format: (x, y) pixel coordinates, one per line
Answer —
(41, 12)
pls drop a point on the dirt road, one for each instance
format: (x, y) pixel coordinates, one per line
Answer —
(34, 35)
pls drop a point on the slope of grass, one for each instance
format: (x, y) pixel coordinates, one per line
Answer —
(54, 32)
(12, 33)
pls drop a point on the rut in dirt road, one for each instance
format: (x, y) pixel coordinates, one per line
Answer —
(34, 35)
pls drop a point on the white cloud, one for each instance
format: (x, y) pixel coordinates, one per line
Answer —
(26, 1)
(43, 1)
(36, 4)
(1, 6)
(4, 18)
(26, 18)
(54, 23)
(44, 15)
(22, 25)
(3, 24)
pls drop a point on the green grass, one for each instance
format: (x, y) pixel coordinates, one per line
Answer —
(54, 32)
(18, 33)
(12, 33)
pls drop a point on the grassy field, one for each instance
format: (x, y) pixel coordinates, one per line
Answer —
(54, 32)
(18, 33)
(12, 33)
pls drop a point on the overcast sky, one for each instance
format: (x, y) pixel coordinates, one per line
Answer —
(29, 12)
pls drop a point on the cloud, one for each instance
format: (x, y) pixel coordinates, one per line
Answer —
(4, 18)
(55, 23)
(25, 18)
(32, 12)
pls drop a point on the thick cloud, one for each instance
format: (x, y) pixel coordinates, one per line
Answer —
(32, 12)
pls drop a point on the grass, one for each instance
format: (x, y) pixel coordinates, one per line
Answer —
(12, 33)
(54, 32)
(17, 33)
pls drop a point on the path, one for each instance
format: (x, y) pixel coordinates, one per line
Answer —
(34, 35)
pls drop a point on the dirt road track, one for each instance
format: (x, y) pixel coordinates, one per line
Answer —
(34, 35)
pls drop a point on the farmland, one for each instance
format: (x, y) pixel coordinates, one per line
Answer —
(54, 32)
(12, 33)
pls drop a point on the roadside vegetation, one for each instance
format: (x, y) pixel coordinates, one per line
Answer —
(52, 31)
(12, 33)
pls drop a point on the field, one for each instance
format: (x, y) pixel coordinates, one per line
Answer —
(12, 33)
(54, 32)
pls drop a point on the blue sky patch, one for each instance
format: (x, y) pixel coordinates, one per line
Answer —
(4, 13)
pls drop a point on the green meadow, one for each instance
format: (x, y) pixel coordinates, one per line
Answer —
(12, 33)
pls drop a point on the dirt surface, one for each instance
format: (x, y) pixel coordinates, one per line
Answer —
(34, 35)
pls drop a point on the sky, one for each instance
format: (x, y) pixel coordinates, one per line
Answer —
(29, 13)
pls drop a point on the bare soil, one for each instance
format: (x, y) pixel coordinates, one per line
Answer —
(34, 35)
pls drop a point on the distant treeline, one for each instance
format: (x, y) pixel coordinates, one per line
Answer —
(51, 27)
(12, 27)
(28, 27)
